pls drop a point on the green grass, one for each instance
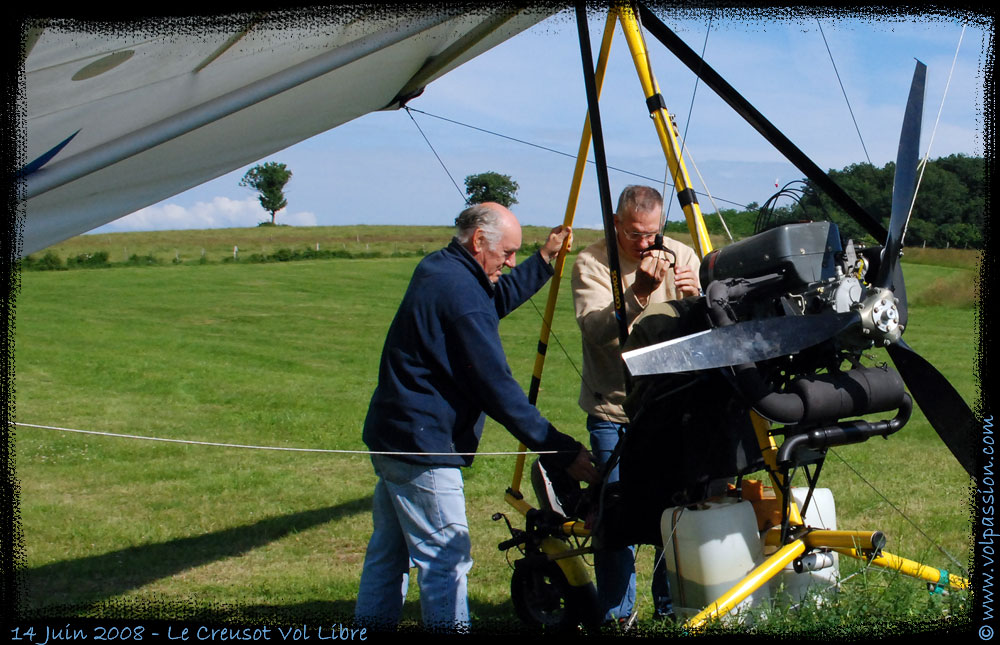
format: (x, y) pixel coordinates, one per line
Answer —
(241, 244)
(286, 355)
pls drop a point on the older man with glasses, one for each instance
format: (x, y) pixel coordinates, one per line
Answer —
(442, 370)
(648, 275)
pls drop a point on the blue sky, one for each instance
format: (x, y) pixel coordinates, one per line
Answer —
(378, 169)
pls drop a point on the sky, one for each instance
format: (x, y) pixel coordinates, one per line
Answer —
(379, 169)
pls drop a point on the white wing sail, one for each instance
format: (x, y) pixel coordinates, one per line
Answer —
(118, 120)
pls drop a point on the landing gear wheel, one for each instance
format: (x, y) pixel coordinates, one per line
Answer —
(544, 599)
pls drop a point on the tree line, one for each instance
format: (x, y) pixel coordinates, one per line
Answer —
(949, 212)
(949, 209)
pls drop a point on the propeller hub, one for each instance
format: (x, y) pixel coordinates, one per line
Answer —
(879, 321)
(885, 315)
(880, 317)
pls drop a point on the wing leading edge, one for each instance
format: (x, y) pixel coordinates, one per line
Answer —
(120, 120)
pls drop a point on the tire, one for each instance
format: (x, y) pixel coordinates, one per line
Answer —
(543, 599)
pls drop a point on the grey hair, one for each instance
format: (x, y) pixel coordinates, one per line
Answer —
(639, 199)
(479, 216)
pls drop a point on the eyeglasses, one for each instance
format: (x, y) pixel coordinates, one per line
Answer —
(635, 236)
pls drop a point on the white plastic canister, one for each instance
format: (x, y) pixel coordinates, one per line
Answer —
(708, 550)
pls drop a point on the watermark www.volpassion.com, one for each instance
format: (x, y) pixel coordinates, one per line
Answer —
(987, 533)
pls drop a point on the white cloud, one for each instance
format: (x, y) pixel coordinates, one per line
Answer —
(220, 212)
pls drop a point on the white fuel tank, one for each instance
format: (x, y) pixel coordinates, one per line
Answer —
(707, 551)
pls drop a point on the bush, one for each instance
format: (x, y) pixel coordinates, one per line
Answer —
(89, 260)
(146, 260)
(49, 262)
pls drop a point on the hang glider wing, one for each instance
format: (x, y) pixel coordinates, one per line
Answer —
(123, 118)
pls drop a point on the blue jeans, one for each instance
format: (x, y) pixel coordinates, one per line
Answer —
(418, 517)
(615, 569)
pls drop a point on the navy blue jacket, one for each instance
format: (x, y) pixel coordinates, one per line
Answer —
(443, 365)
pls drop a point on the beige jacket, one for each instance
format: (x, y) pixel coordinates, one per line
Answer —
(602, 390)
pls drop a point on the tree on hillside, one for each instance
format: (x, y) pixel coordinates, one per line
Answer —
(491, 187)
(269, 180)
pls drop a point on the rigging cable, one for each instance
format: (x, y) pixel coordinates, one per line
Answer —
(937, 121)
(278, 448)
(847, 100)
(784, 191)
(686, 153)
(541, 147)
(531, 300)
(435, 153)
(902, 514)
(666, 171)
(694, 92)
(708, 193)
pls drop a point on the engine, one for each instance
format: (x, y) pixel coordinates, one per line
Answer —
(802, 268)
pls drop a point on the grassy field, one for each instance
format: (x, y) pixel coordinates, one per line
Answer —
(285, 356)
(225, 245)
(242, 244)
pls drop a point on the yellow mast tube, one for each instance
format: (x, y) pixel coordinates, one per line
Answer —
(665, 133)
(682, 183)
(574, 194)
(769, 451)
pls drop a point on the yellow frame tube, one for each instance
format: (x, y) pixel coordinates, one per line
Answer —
(572, 566)
(863, 541)
(771, 567)
(769, 451)
(834, 540)
(574, 195)
(518, 503)
(664, 130)
(845, 542)
(907, 567)
(692, 212)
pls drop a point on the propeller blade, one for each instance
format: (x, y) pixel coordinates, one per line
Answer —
(744, 342)
(899, 290)
(905, 182)
(943, 406)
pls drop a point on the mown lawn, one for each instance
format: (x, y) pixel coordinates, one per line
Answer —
(285, 356)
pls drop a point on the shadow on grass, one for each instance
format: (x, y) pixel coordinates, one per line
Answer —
(98, 578)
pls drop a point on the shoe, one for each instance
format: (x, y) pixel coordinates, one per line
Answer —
(622, 624)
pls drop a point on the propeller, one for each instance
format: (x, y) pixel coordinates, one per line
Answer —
(742, 342)
(944, 408)
(905, 181)
(942, 405)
